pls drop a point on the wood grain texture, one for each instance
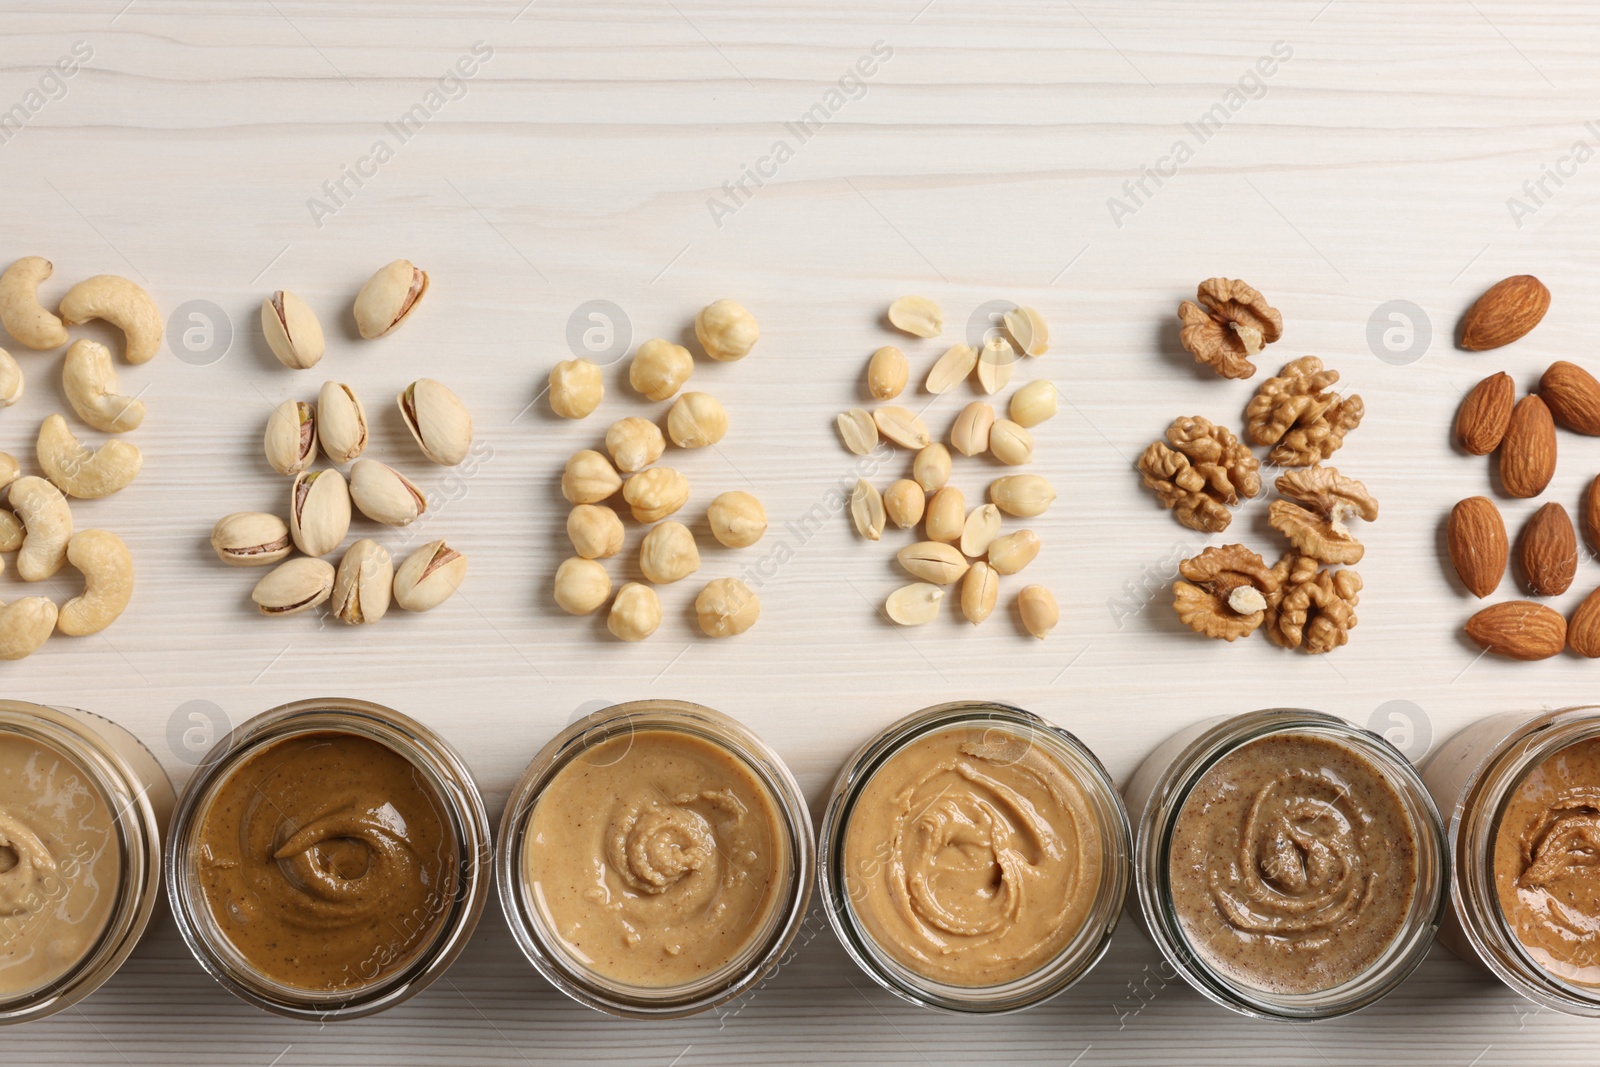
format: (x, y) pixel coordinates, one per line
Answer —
(582, 162)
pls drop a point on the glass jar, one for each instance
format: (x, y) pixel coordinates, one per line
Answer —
(596, 738)
(105, 767)
(1007, 736)
(1473, 776)
(1157, 795)
(452, 910)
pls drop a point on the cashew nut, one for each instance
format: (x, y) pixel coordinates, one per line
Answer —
(10, 380)
(107, 570)
(90, 381)
(9, 469)
(46, 524)
(84, 472)
(121, 303)
(20, 311)
(10, 533)
(24, 625)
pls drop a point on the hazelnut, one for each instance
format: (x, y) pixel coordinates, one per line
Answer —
(737, 519)
(576, 388)
(726, 330)
(660, 368)
(634, 443)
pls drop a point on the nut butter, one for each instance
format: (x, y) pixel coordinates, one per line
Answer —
(81, 807)
(331, 861)
(1522, 797)
(1291, 865)
(976, 858)
(655, 859)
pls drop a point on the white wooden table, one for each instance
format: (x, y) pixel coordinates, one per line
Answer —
(584, 160)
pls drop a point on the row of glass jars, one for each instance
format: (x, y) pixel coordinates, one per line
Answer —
(1470, 780)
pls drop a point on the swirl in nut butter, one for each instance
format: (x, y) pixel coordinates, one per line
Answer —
(327, 861)
(1547, 863)
(1293, 864)
(972, 857)
(657, 857)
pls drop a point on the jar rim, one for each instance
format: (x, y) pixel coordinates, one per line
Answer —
(453, 787)
(138, 843)
(1066, 967)
(1214, 740)
(542, 947)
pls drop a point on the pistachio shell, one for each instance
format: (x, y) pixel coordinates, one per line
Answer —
(429, 576)
(298, 585)
(250, 539)
(438, 420)
(341, 422)
(389, 297)
(291, 438)
(363, 583)
(292, 330)
(319, 511)
(384, 495)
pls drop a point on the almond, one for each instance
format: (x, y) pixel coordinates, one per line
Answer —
(1591, 514)
(1583, 632)
(1481, 422)
(1573, 396)
(1528, 450)
(1478, 546)
(1549, 551)
(1508, 310)
(1519, 629)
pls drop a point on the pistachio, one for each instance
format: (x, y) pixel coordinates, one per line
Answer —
(438, 420)
(660, 368)
(1010, 443)
(904, 502)
(858, 431)
(866, 510)
(915, 604)
(319, 511)
(389, 297)
(635, 613)
(952, 368)
(634, 443)
(737, 519)
(250, 539)
(979, 591)
(901, 426)
(1033, 404)
(576, 388)
(668, 553)
(341, 423)
(298, 585)
(292, 330)
(1011, 553)
(1028, 329)
(589, 478)
(947, 515)
(1039, 611)
(595, 531)
(933, 561)
(429, 576)
(581, 586)
(291, 438)
(995, 365)
(916, 315)
(931, 468)
(726, 607)
(696, 420)
(970, 433)
(384, 495)
(363, 583)
(887, 373)
(726, 330)
(1022, 495)
(656, 493)
(980, 530)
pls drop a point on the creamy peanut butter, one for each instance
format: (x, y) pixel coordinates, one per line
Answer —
(657, 857)
(327, 861)
(59, 864)
(1293, 864)
(1547, 863)
(972, 856)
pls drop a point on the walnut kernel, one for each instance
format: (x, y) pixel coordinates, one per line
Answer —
(1231, 323)
(1297, 415)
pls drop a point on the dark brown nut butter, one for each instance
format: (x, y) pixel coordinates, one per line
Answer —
(327, 861)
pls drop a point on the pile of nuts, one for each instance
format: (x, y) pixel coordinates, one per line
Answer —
(961, 546)
(1522, 433)
(1202, 470)
(39, 526)
(320, 500)
(659, 369)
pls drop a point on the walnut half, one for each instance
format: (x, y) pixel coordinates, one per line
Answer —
(1226, 592)
(1230, 323)
(1316, 524)
(1204, 472)
(1297, 415)
(1315, 608)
